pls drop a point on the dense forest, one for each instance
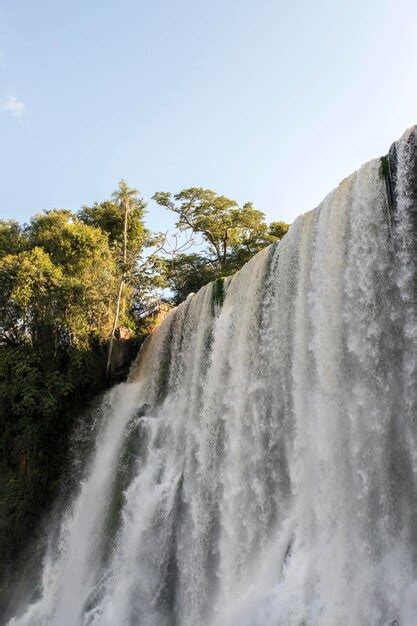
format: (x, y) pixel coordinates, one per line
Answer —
(78, 293)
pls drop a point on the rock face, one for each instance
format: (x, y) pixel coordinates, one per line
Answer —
(123, 353)
(125, 347)
(260, 466)
(402, 177)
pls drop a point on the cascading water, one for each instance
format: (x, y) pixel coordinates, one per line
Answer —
(260, 466)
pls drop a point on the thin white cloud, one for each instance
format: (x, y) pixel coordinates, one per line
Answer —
(15, 107)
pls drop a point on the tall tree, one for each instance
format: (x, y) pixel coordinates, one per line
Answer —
(220, 220)
(232, 234)
(12, 237)
(122, 219)
(125, 198)
(59, 287)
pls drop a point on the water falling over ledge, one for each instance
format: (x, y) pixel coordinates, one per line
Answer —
(259, 468)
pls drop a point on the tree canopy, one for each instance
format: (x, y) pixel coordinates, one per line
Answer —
(231, 235)
(58, 288)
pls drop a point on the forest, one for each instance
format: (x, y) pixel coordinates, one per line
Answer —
(78, 295)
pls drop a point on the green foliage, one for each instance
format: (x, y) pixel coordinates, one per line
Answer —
(60, 289)
(277, 230)
(109, 217)
(186, 273)
(12, 238)
(122, 220)
(222, 223)
(232, 234)
(39, 401)
(29, 291)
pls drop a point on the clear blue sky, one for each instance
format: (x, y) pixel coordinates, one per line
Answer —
(269, 101)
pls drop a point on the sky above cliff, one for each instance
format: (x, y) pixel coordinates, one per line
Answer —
(262, 100)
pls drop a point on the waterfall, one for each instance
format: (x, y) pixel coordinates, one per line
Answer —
(259, 468)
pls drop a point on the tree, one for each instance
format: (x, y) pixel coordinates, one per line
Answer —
(122, 220)
(232, 234)
(124, 198)
(187, 273)
(11, 237)
(82, 253)
(30, 286)
(221, 222)
(277, 230)
(58, 291)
